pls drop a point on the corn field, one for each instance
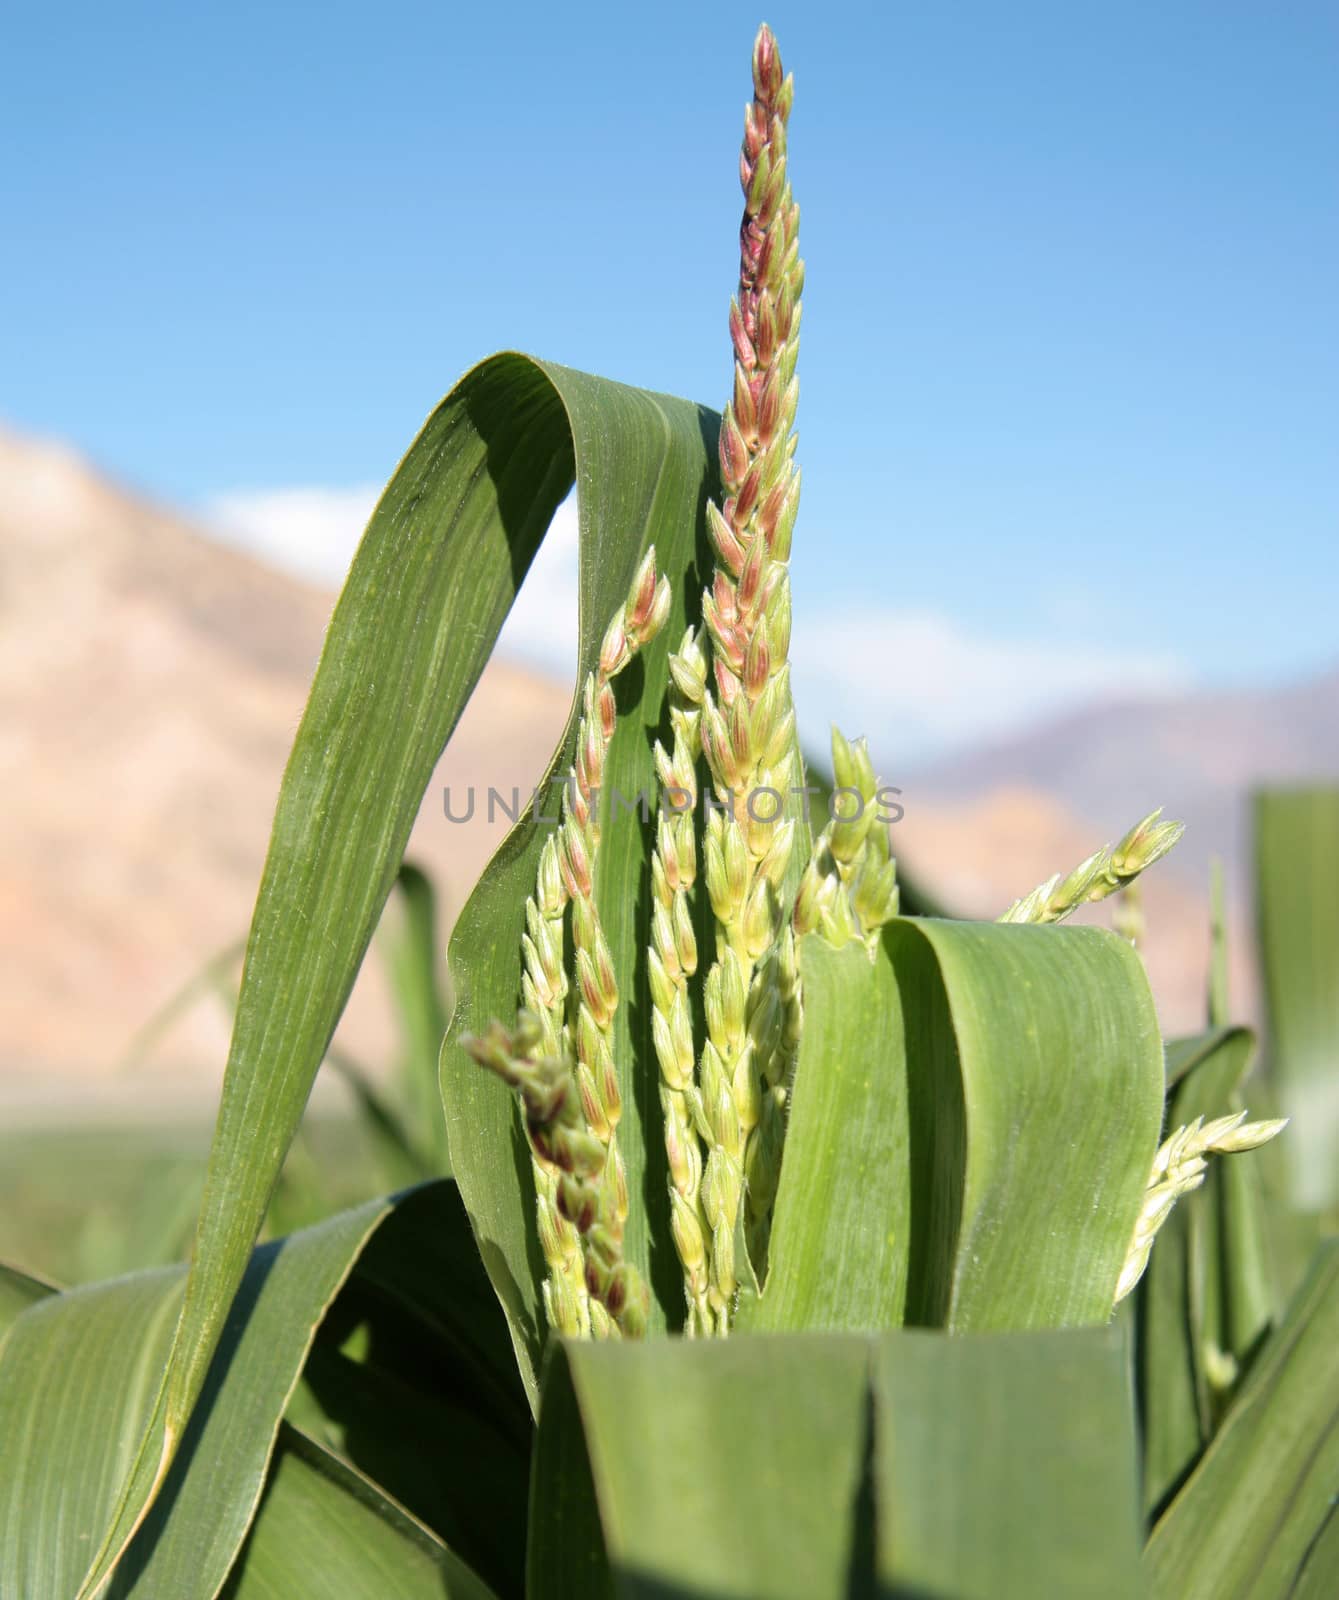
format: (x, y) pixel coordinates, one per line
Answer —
(762, 1235)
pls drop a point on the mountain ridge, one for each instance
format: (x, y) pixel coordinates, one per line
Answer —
(151, 683)
(1197, 756)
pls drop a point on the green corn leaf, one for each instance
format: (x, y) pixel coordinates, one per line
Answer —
(1005, 1467)
(1297, 903)
(1182, 1056)
(1256, 1516)
(325, 1533)
(566, 1558)
(416, 967)
(1319, 1575)
(411, 1380)
(79, 1374)
(1027, 1065)
(1036, 1074)
(18, 1291)
(706, 1485)
(914, 896)
(645, 466)
(841, 1238)
(1206, 1284)
(998, 1467)
(437, 570)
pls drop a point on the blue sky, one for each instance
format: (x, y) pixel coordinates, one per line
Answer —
(1070, 382)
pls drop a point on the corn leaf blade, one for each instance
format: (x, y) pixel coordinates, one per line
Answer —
(1183, 1055)
(1297, 905)
(905, 1464)
(326, 1533)
(18, 1291)
(566, 1558)
(1256, 1514)
(1036, 1078)
(414, 961)
(1206, 1281)
(1005, 1466)
(974, 1116)
(79, 1374)
(841, 1237)
(705, 1485)
(411, 1380)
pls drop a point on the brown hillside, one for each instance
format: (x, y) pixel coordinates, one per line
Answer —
(151, 681)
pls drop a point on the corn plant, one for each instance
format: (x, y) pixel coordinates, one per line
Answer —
(786, 1232)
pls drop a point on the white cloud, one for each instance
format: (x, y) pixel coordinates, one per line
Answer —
(915, 681)
(542, 626)
(918, 683)
(313, 532)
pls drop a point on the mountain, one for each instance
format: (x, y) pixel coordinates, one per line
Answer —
(1198, 756)
(151, 682)
(985, 826)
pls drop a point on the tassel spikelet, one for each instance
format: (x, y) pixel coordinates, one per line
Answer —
(1102, 874)
(776, 1017)
(748, 718)
(566, 1029)
(591, 1029)
(544, 991)
(672, 963)
(576, 1164)
(1179, 1168)
(849, 888)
